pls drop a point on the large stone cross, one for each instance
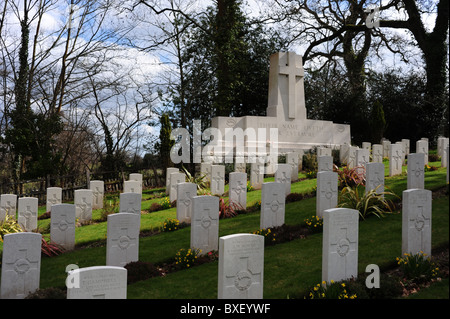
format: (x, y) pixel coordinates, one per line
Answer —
(292, 71)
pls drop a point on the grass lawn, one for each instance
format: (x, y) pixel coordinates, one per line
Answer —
(289, 268)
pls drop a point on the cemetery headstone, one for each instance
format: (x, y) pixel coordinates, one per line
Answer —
(444, 152)
(283, 176)
(256, 175)
(205, 223)
(325, 164)
(343, 153)
(241, 266)
(395, 159)
(83, 203)
(98, 193)
(21, 264)
(217, 179)
(416, 171)
(205, 170)
(185, 193)
(238, 190)
(240, 167)
(377, 153)
(351, 161)
(27, 211)
(292, 159)
(366, 146)
(98, 282)
(375, 177)
(327, 192)
(416, 221)
(132, 187)
(130, 203)
(54, 197)
(273, 202)
(323, 151)
(386, 148)
(62, 225)
(362, 158)
(340, 244)
(8, 206)
(137, 177)
(122, 243)
(422, 147)
(406, 146)
(169, 171)
(175, 178)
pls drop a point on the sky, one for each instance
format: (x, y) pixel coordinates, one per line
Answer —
(145, 66)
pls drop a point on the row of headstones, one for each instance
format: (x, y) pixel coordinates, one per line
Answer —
(85, 200)
(241, 256)
(242, 276)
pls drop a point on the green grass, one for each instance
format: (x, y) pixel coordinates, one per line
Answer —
(289, 268)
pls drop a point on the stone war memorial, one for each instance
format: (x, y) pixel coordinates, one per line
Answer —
(286, 111)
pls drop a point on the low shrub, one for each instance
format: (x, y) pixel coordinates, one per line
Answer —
(314, 224)
(186, 258)
(332, 290)
(269, 236)
(9, 226)
(433, 158)
(170, 224)
(51, 249)
(418, 267)
(370, 203)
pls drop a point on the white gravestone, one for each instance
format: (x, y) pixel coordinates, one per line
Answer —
(132, 187)
(441, 145)
(240, 167)
(323, 151)
(406, 146)
(375, 177)
(130, 203)
(27, 213)
(377, 153)
(122, 242)
(241, 267)
(422, 147)
(54, 197)
(386, 148)
(273, 205)
(444, 152)
(416, 171)
(324, 163)
(8, 206)
(256, 175)
(327, 192)
(205, 223)
(217, 179)
(286, 112)
(343, 153)
(137, 177)
(340, 244)
(185, 193)
(175, 178)
(402, 147)
(83, 203)
(292, 159)
(21, 265)
(98, 282)
(205, 170)
(448, 163)
(351, 161)
(395, 159)
(238, 190)
(169, 171)
(366, 146)
(62, 225)
(416, 221)
(283, 176)
(362, 158)
(98, 192)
